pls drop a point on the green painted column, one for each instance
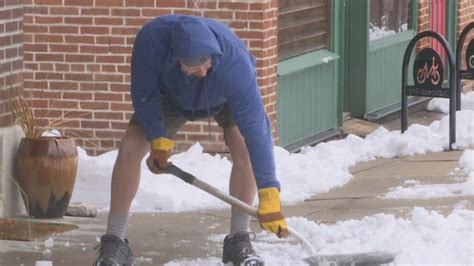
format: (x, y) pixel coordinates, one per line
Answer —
(338, 25)
(357, 50)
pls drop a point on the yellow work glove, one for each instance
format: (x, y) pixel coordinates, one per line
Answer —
(270, 212)
(160, 151)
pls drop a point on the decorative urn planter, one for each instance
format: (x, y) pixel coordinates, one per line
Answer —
(46, 169)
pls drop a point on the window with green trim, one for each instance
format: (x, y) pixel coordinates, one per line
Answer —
(303, 26)
(388, 17)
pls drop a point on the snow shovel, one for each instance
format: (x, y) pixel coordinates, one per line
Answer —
(356, 259)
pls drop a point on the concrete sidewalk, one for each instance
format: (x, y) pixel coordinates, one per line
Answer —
(159, 238)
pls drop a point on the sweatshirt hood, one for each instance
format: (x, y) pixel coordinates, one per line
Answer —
(192, 38)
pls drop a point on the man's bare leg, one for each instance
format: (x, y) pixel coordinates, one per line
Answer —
(242, 179)
(126, 178)
(237, 245)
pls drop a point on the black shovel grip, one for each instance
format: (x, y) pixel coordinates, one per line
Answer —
(176, 171)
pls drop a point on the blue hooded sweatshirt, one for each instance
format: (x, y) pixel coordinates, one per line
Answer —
(158, 83)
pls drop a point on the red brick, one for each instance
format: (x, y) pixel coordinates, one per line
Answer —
(78, 20)
(48, 20)
(93, 49)
(109, 3)
(62, 104)
(77, 114)
(108, 115)
(63, 85)
(94, 30)
(121, 106)
(63, 48)
(155, 12)
(110, 59)
(48, 2)
(108, 77)
(79, 39)
(78, 67)
(119, 125)
(46, 67)
(78, 2)
(136, 21)
(110, 40)
(108, 68)
(94, 105)
(64, 11)
(95, 11)
(49, 57)
(35, 28)
(126, 12)
(79, 58)
(93, 86)
(117, 87)
(109, 134)
(108, 97)
(170, 4)
(12, 26)
(234, 6)
(95, 124)
(201, 4)
(93, 67)
(47, 38)
(108, 21)
(120, 49)
(125, 30)
(219, 14)
(35, 10)
(78, 76)
(139, 3)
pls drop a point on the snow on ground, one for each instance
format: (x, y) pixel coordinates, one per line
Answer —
(43, 263)
(414, 189)
(426, 238)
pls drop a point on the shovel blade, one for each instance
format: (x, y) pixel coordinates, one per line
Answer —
(355, 259)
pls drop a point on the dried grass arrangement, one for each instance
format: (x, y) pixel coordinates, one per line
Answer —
(21, 109)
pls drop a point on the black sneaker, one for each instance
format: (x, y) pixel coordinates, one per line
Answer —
(113, 251)
(239, 251)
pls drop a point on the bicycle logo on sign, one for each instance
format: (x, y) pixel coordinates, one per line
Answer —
(471, 61)
(426, 73)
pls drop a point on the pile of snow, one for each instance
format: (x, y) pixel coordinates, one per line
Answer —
(426, 238)
(312, 171)
(442, 104)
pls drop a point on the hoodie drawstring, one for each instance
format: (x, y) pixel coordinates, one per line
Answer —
(208, 111)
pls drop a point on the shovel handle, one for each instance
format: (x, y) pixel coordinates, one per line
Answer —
(191, 179)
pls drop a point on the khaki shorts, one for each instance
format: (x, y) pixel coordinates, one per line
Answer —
(173, 121)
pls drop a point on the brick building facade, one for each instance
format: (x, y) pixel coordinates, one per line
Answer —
(11, 54)
(72, 58)
(77, 61)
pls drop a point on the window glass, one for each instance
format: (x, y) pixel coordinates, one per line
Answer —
(388, 17)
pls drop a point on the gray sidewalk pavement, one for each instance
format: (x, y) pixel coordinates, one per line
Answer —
(161, 237)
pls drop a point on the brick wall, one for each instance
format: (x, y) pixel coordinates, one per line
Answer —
(465, 16)
(77, 56)
(11, 54)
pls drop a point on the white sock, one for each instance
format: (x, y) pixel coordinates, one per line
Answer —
(117, 224)
(239, 221)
